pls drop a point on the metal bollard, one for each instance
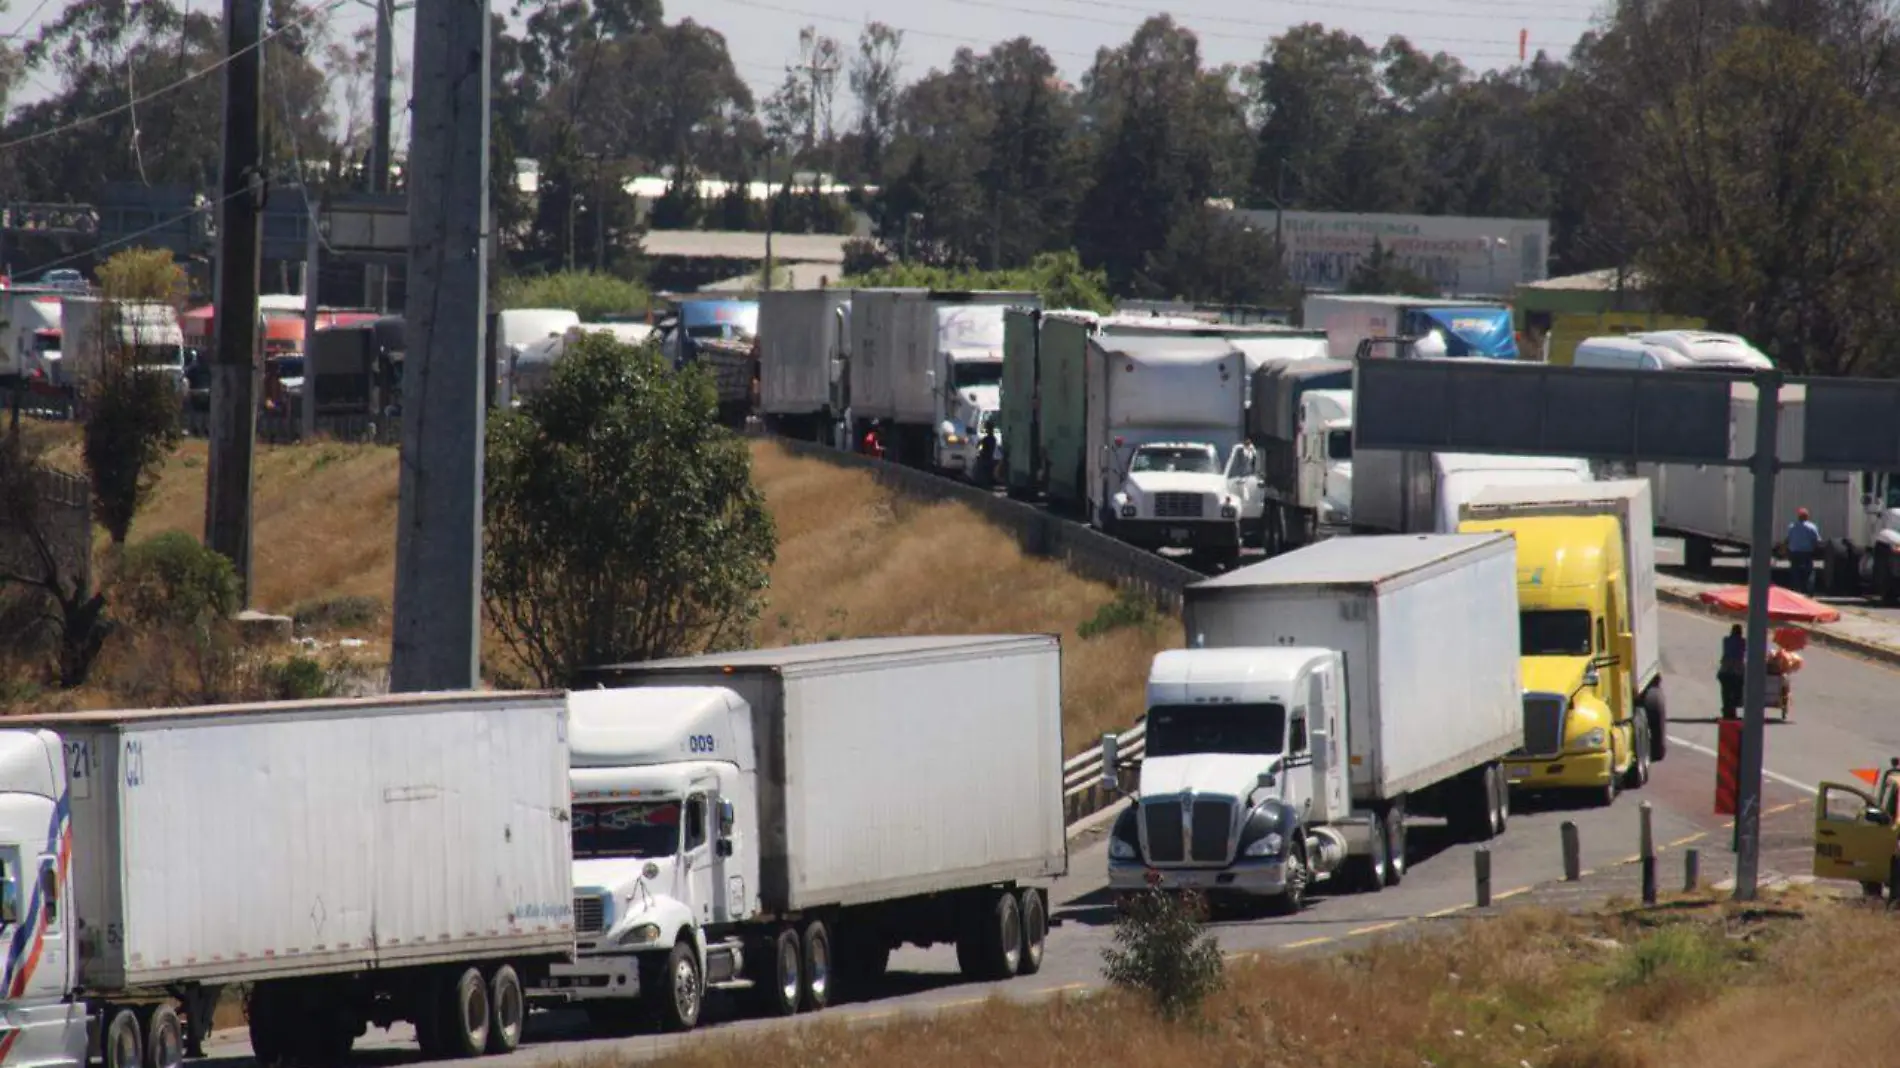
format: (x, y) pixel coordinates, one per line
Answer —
(1573, 853)
(1647, 852)
(1481, 865)
(1691, 873)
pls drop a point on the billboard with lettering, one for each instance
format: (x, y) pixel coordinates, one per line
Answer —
(1461, 255)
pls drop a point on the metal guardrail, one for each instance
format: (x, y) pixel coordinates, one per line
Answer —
(1082, 790)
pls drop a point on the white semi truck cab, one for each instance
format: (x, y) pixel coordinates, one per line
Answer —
(1189, 493)
(1325, 454)
(664, 806)
(967, 382)
(1243, 789)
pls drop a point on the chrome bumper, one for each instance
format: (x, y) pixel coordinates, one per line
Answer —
(1261, 878)
(602, 977)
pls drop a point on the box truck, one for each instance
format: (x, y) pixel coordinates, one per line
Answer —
(1858, 511)
(802, 381)
(1414, 492)
(928, 364)
(1300, 419)
(1594, 717)
(94, 329)
(771, 821)
(29, 335)
(1325, 696)
(352, 861)
(1045, 389)
(1481, 328)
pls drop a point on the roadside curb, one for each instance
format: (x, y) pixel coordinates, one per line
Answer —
(1093, 827)
(1860, 647)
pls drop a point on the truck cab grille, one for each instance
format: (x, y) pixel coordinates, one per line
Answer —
(1208, 836)
(1180, 505)
(590, 914)
(1544, 715)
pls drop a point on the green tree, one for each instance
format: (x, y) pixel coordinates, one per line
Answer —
(1162, 950)
(133, 408)
(1209, 257)
(622, 523)
(1381, 272)
(49, 572)
(589, 294)
(1058, 277)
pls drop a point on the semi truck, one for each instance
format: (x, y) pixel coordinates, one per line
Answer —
(1325, 696)
(1858, 512)
(1300, 419)
(1466, 328)
(928, 363)
(29, 335)
(802, 348)
(772, 821)
(719, 335)
(350, 861)
(1594, 717)
(95, 329)
(1417, 492)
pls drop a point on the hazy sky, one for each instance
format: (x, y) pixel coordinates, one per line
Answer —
(762, 35)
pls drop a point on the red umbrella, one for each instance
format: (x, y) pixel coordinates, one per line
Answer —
(1784, 605)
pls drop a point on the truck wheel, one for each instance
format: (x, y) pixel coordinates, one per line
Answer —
(507, 1010)
(1605, 795)
(1395, 845)
(164, 1038)
(1035, 931)
(992, 942)
(266, 1022)
(123, 1046)
(817, 966)
(781, 975)
(671, 988)
(1369, 870)
(1657, 712)
(1476, 816)
(463, 1015)
(1293, 901)
(1639, 758)
(1502, 802)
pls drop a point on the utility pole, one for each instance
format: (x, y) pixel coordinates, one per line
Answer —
(1763, 468)
(234, 362)
(375, 277)
(437, 633)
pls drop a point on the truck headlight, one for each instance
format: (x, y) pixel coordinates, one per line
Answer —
(951, 437)
(1227, 508)
(1119, 849)
(1128, 511)
(1269, 845)
(1594, 738)
(646, 932)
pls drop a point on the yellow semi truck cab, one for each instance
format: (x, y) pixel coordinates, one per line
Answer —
(1857, 829)
(1581, 730)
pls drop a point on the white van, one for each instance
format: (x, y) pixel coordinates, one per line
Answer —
(1672, 350)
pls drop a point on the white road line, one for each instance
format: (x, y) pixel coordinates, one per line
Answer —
(1780, 778)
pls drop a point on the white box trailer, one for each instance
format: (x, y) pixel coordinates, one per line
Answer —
(1415, 492)
(356, 861)
(1428, 626)
(802, 337)
(865, 794)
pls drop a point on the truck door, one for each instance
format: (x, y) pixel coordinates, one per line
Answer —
(696, 854)
(1853, 835)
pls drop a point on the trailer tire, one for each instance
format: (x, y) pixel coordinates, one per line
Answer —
(1657, 712)
(1474, 815)
(1502, 784)
(463, 1015)
(122, 1045)
(992, 943)
(266, 1025)
(1035, 921)
(1639, 755)
(818, 968)
(507, 1009)
(1369, 869)
(1698, 554)
(164, 1038)
(1395, 844)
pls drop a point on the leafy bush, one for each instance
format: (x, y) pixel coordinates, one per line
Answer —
(134, 413)
(173, 580)
(299, 678)
(1162, 950)
(1058, 277)
(590, 294)
(621, 520)
(349, 612)
(1128, 609)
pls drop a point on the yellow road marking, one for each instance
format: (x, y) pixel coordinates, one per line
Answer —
(1446, 912)
(1686, 839)
(1375, 928)
(1308, 942)
(1514, 893)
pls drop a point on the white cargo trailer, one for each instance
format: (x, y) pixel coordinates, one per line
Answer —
(1412, 492)
(802, 340)
(771, 821)
(355, 861)
(1355, 681)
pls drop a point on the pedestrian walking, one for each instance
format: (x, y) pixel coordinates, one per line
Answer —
(1803, 541)
(1728, 670)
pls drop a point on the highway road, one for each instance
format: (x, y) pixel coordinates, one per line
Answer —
(1842, 720)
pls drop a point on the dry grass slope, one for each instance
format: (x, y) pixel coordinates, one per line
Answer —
(854, 560)
(1709, 988)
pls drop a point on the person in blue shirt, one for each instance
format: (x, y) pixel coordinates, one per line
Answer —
(1803, 541)
(1728, 673)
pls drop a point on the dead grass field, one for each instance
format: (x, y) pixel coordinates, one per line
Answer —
(854, 560)
(1706, 987)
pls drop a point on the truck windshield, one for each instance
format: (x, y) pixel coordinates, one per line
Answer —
(1184, 730)
(970, 373)
(1339, 445)
(1192, 460)
(627, 829)
(172, 356)
(1565, 633)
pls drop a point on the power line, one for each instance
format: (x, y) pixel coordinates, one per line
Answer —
(27, 21)
(211, 68)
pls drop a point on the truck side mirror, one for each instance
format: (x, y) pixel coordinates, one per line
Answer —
(1875, 815)
(1266, 781)
(9, 897)
(1111, 772)
(726, 817)
(49, 891)
(723, 847)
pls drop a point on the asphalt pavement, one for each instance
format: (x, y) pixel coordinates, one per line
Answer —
(1842, 720)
